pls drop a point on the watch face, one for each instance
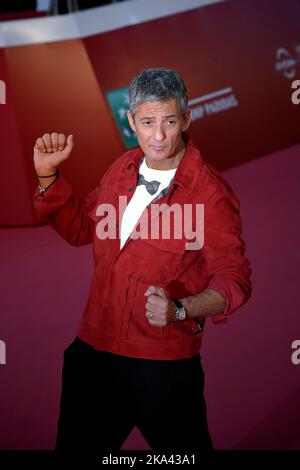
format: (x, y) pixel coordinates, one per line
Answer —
(181, 313)
(180, 310)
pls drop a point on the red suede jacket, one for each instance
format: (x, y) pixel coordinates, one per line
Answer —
(114, 318)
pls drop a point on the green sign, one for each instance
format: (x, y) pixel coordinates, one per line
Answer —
(119, 104)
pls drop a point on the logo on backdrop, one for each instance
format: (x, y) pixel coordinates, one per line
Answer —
(295, 357)
(213, 103)
(2, 352)
(286, 61)
(118, 101)
(296, 94)
(2, 92)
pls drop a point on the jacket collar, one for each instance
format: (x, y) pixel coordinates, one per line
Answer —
(188, 169)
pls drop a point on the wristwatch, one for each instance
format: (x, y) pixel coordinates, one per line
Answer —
(180, 312)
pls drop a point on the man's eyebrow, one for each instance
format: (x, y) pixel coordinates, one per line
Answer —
(152, 117)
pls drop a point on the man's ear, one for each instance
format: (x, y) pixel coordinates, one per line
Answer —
(131, 121)
(187, 120)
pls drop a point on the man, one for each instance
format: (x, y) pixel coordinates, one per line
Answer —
(135, 360)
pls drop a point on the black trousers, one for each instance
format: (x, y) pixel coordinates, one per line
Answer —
(105, 395)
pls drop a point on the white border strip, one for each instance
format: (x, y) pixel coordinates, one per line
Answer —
(91, 22)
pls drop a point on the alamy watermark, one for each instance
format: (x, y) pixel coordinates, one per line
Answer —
(295, 357)
(2, 92)
(296, 94)
(177, 221)
(2, 352)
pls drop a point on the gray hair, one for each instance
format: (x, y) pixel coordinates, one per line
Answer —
(157, 84)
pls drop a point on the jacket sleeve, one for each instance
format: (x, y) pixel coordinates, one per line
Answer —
(223, 251)
(69, 217)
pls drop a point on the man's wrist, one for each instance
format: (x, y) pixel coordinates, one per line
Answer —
(46, 181)
(193, 307)
(195, 324)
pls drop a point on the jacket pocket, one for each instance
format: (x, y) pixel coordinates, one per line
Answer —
(136, 324)
(157, 261)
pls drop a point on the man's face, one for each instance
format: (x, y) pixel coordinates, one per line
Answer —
(159, 126)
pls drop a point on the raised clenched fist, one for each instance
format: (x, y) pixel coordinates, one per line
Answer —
(50, 151)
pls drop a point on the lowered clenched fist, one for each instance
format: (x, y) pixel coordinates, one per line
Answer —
(50, 151)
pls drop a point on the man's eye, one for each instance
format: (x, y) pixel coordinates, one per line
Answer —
(171, 122)
(146, 123)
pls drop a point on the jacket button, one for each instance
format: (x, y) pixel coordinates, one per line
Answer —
(130, 189)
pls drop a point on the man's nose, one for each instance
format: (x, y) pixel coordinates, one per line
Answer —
(159, 133)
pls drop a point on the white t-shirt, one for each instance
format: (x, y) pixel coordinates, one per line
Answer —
(141, 198)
